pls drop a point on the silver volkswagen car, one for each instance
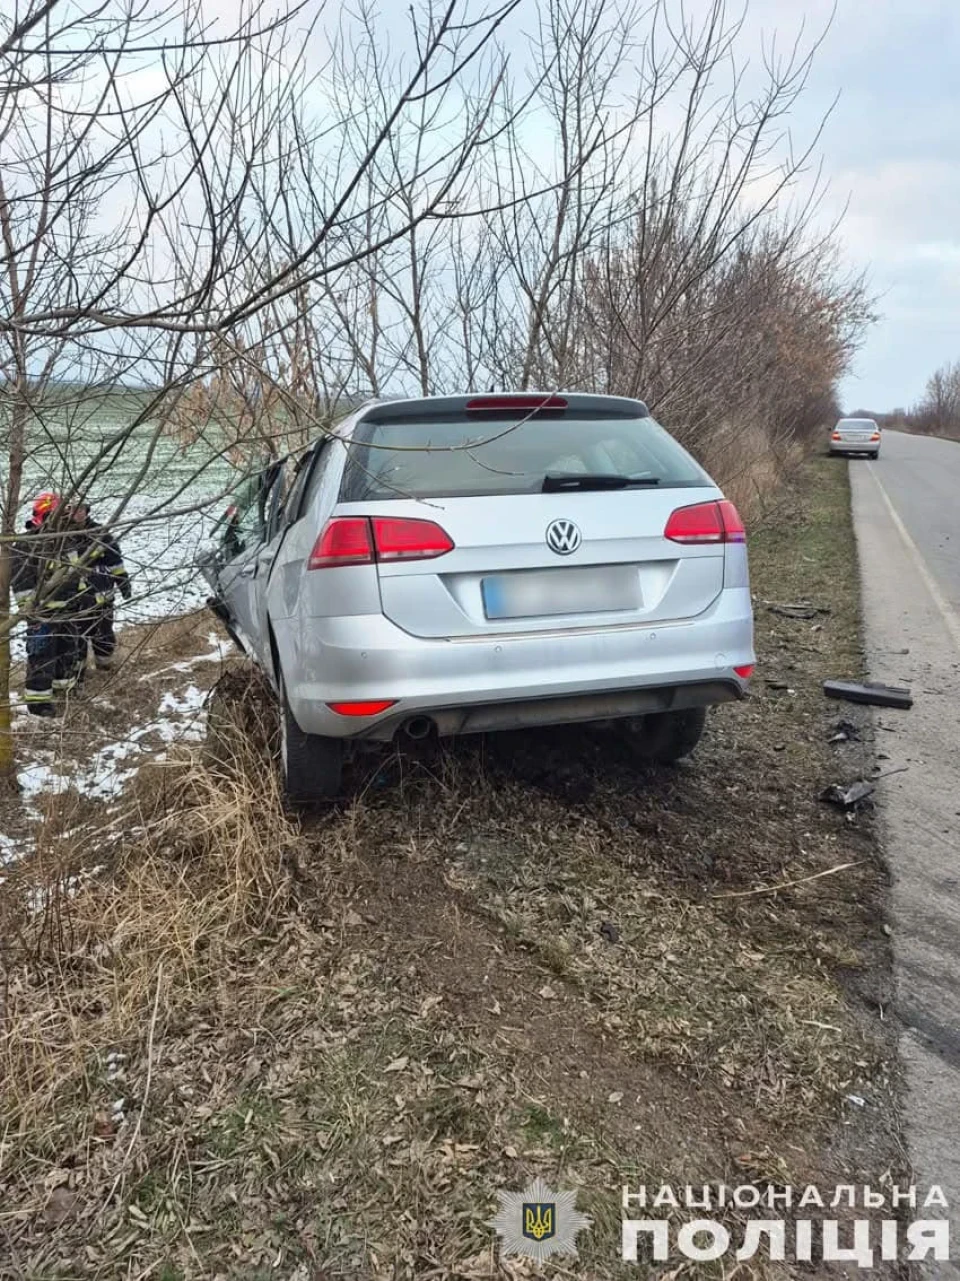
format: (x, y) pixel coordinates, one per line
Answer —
(462, 564)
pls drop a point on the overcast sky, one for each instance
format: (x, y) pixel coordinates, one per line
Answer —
(890, 153)
(892, 149)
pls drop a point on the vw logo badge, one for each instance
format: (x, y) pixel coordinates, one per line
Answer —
(563, 537)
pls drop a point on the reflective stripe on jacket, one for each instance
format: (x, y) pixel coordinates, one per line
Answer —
(42, 555)
(103, 560)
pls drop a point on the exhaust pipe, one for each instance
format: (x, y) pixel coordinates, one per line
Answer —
(418, 727)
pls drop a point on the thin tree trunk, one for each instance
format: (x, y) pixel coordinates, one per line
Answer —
(7, 775)
(8, 529)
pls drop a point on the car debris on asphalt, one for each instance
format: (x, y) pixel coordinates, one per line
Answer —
(845, 732)
(873, 693)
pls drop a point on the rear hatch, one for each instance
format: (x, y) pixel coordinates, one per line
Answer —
(496, 553)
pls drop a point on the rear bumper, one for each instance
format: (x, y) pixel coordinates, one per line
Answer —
(507, 681)
(854, 446)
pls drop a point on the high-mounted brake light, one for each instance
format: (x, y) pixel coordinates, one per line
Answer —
(517, 402)
(706, 523)
(363, 540)
(371, 708)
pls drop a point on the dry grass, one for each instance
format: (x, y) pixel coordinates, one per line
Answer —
(191, 876)
(340, 1039)
(751, 466)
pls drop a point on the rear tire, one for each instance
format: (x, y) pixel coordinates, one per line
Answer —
(311, 765)
(666, 737)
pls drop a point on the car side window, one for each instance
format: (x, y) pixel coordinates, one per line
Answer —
(243, 524)
(281, 493)
(306, 466)
(315, 479)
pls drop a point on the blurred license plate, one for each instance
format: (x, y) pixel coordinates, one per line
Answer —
(529, 593)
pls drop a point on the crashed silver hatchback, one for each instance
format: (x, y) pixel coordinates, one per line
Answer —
(463, 564)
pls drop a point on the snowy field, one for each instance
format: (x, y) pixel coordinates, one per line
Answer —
(171, 497)
(155, 481)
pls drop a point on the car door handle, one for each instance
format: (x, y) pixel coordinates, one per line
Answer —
(248, 571)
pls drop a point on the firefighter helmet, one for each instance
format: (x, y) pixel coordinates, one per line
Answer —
(44, 504)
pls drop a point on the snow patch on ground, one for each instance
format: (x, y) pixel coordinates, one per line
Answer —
(36, 778)
(12, 848)
(190, 701)
(180, 718)
(219, 651)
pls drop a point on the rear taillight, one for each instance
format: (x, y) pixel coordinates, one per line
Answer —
(875, 436)
(744, 672)
(706, 523)
(836, 436)
(362, 540)
(397, 539)
(345, 540)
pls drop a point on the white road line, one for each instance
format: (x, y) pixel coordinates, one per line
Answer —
(943, 605)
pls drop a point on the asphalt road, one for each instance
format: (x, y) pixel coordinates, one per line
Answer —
(907, 516)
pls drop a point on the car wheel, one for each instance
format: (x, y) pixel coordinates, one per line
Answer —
(667, 736)
(311, 765)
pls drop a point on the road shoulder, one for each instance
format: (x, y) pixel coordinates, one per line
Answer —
(910, 640)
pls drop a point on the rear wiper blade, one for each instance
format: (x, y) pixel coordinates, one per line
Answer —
(555, 482)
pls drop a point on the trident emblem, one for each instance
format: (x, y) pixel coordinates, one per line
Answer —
(538, 1220)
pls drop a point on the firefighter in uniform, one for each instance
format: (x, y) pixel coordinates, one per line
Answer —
(105, 573)
(50, 590)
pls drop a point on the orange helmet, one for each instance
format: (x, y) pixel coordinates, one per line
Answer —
(44, 504)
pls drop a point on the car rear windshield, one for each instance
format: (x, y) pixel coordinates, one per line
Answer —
(858, 424)
(474, 457)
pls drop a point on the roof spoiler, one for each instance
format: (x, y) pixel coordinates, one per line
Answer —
(512, 402)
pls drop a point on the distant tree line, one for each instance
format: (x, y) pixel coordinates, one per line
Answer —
(937, 413)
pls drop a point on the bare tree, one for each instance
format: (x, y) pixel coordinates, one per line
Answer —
(939, 411)
(174, 198)
(692, 276)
